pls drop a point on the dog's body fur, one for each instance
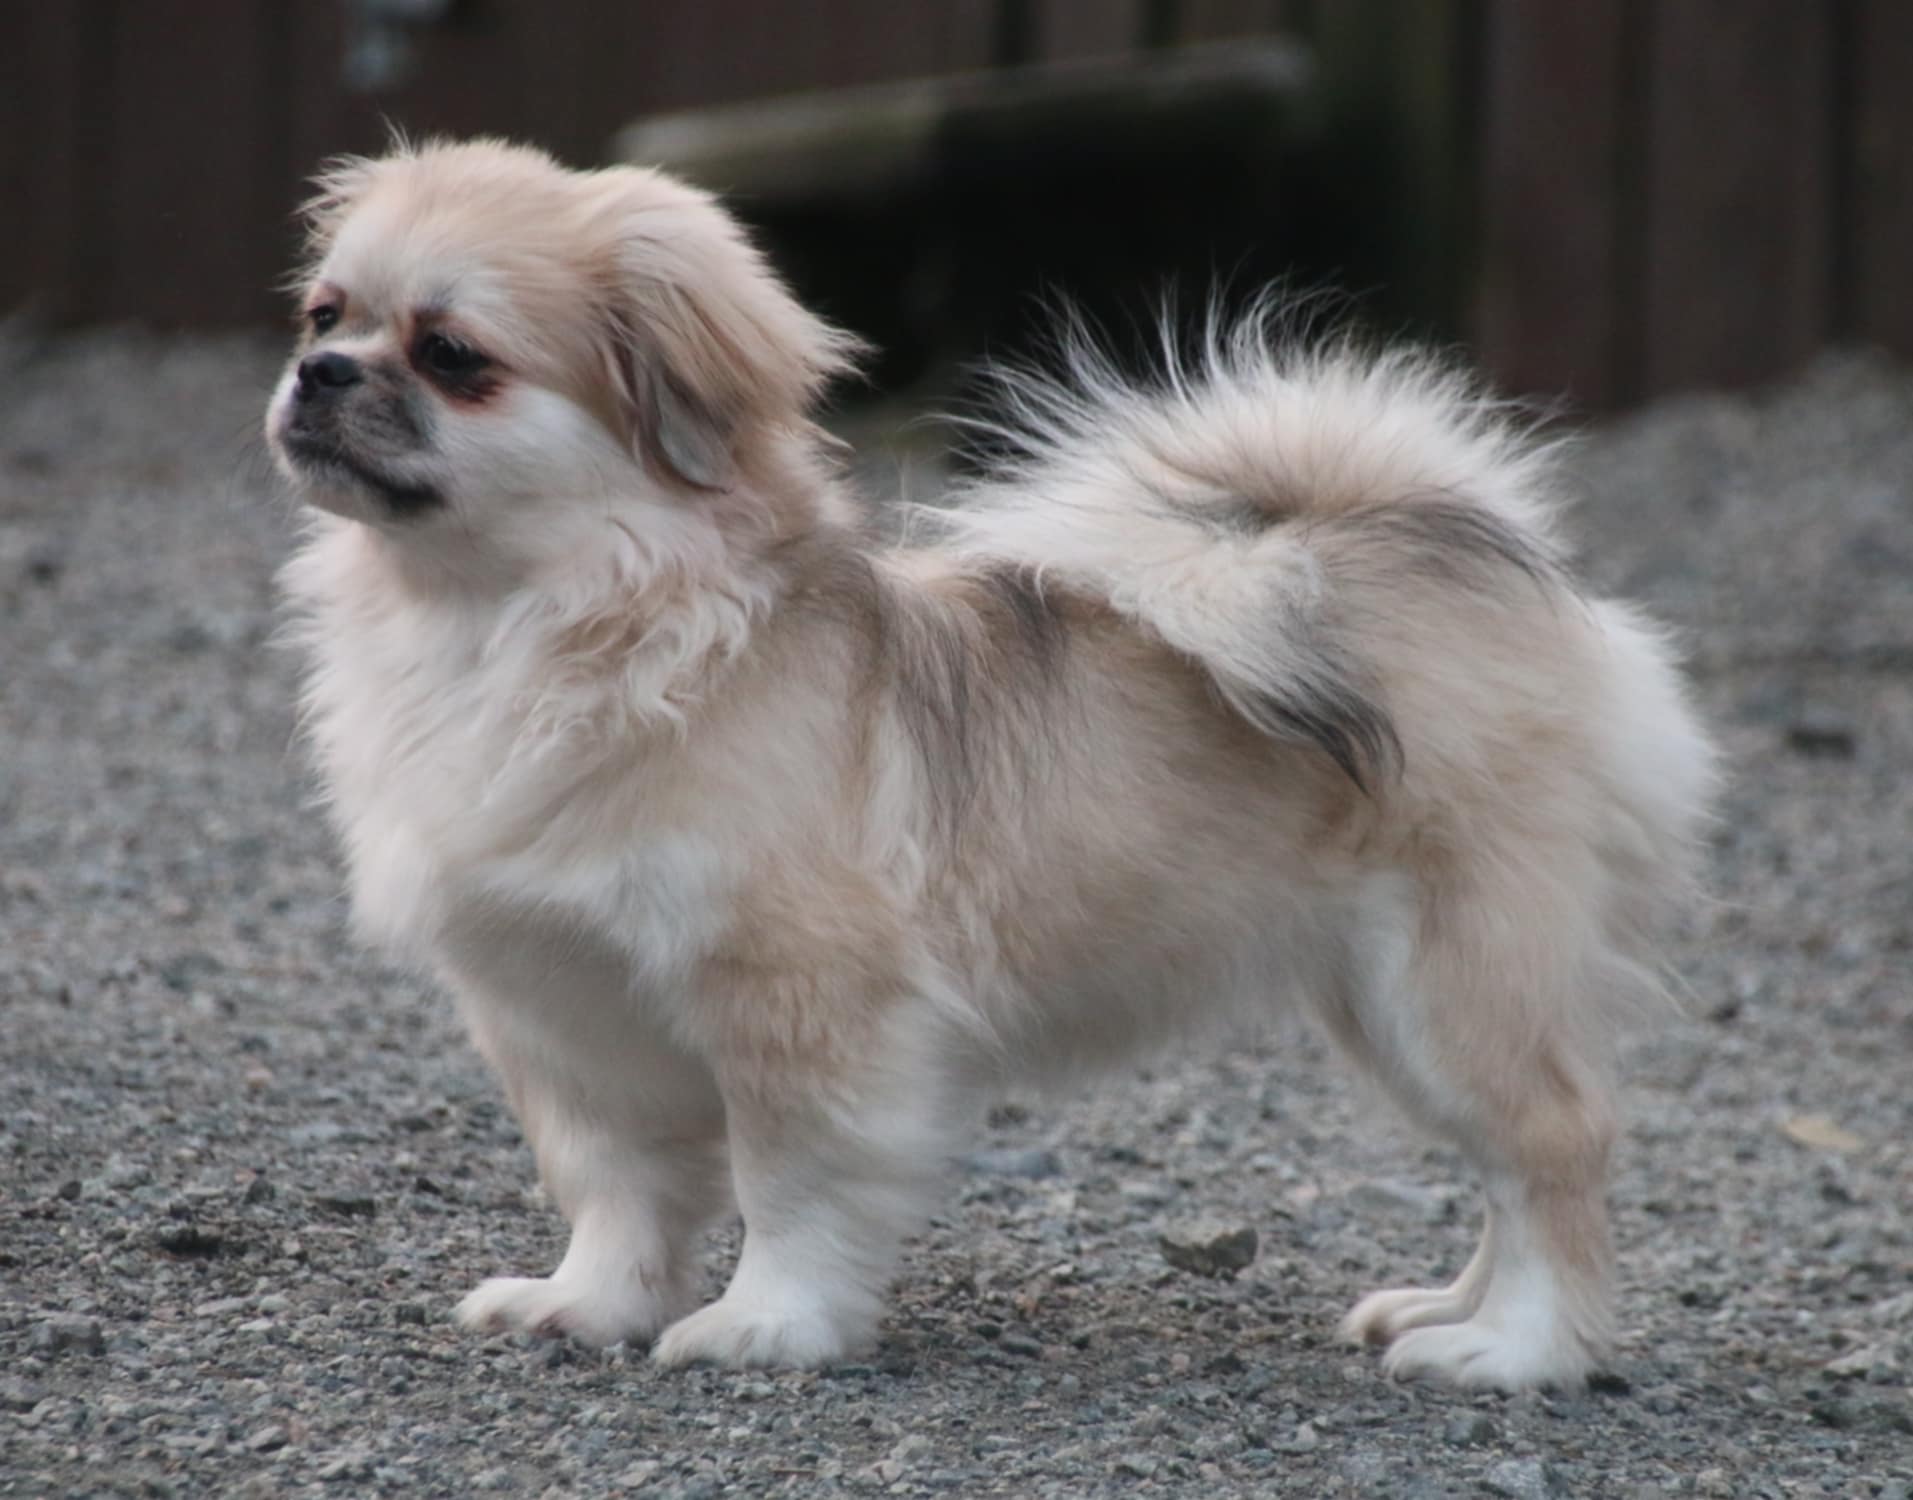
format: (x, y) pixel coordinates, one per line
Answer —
(756, 853)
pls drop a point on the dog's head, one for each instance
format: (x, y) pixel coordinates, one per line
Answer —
(489, 340)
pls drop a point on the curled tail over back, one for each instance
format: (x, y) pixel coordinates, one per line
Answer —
(1245, 504)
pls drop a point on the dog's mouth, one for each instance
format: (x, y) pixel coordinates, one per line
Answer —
(323, 458)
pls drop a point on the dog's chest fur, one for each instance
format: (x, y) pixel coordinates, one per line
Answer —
(480, 838)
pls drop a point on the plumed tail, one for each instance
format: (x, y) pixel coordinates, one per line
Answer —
(1247, 500)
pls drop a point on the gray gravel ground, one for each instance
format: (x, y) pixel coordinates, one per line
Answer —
(248, 1170)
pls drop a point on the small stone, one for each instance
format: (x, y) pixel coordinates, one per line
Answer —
(911, 1449)
(20, 1395)
(1869, 1362)
(266, 1439)
(44, 563)
(1209, 1247)
(221, 1307)
(1304, 1440)
(1034, 1163)
(353, 1463)
(1137, 1466)
(320, 1133)
(64, 1331)
(638, 1475)
(192, 1240)
(1832, 1413)
(1474, 1429)
(1522, 1479)
(411, 1314)
(1403, 1200)
(1818, 730)
(348, 1205)
(1820, 1133)
(259, 1190)
(1894, 1312)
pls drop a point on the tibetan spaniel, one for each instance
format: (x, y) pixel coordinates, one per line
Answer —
(758, 848)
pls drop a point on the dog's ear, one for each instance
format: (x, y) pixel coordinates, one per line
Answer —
(708, 349)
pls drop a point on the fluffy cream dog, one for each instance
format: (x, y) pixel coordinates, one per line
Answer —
(756, 851)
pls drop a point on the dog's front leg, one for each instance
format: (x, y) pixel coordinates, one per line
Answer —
(631, 1149)
(831, 1176)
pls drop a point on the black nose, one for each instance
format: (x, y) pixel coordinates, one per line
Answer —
(328, 370)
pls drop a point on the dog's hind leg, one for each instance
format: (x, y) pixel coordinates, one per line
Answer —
(1382, 1317)
(1455, 1033)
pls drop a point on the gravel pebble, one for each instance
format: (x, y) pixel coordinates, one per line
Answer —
(1471, 1430)
(1034, 1163)
(57, 1335)
(1523, 1479)
(1822, 731)
(1209, 1247)
(20, 1395)
(212, 1098)
(1404, 1199)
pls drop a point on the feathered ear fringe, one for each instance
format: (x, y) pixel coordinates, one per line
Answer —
(706, 340)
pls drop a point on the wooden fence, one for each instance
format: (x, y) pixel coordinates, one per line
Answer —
(1611, 198)
(1691, 192)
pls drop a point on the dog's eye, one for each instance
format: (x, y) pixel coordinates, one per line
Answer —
(439, 355)
(323, 318)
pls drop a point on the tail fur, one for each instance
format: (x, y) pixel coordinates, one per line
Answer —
(1216, 504)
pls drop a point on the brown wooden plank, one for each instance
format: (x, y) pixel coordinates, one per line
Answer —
(1397, 154)
(17, 66)
(469, 75)
(1880, 224)
(1066, 29)
(724, 51)
(966, 34)
(1546, 303)
(1221, 20)
(567, 74)
(183, 238)
(1736, 256)
(42, 258)
(324, 118)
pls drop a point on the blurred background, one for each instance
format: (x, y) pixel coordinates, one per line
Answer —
(1608, 199)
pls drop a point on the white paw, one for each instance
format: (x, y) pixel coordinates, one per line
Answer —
(555, 1307)
(1381, 1317)
(1480, 1356)
(737, 1334)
